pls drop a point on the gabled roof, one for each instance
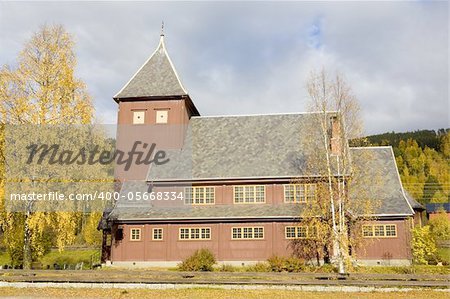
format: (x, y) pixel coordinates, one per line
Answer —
(156, 78)
(375, 176)
(245, 147)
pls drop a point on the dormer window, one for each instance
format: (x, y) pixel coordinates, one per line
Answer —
(138, 117)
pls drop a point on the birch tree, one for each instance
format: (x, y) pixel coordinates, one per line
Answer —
(42, 89)
(331, 100)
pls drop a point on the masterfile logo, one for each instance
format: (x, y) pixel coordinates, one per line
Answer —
(141, 153)
(85, 167)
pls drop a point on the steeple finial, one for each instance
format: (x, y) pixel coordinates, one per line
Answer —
(162, 28)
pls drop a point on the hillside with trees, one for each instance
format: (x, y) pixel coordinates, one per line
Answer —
(423, 158)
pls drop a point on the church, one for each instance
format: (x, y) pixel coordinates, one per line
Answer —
(235, 185)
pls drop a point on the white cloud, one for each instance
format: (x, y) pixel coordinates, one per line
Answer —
(237, 58)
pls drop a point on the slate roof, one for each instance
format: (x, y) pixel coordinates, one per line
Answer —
(435, 207)
(149, 212)
(160, 210)
(157, 77)
(253, 146)
(413, 203)
(375, 177)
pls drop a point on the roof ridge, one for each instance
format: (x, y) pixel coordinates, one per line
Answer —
(171, 64)
(262, 114)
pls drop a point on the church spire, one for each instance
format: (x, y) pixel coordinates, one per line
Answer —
(157, 77)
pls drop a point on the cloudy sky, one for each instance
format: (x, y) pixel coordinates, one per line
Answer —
(254, 57)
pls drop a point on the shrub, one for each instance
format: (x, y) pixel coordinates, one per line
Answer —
(258, 267)
(294, 264)
(327, 268)
(440, 226)
(276, 263)
(291, 264)
(423, 245)
(227, 268)
(201, 260)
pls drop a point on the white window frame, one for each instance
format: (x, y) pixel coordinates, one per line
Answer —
(154, 233)
(133, 235)
(298, 197)
(203, 233)
(297, 230)
(249, 194)
(198, 195)
(375, 230)
(247, 233)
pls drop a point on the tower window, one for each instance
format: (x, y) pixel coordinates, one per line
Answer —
(162, 116)
(138, 117)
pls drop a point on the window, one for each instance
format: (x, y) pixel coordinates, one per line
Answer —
(299, 192)
(302, 232)
(258, 233)
(299, 232)
(310, 192)
(199, 195)
(249, 194)
(162, 116)
(135, 234)
(206, 233)
(367, 231)
(139, 117)
(195, 233)
(157, 234)
(290, 232)
(236, 233)
(247, 233)
(390, 230)
(379, 231)
(184, 233)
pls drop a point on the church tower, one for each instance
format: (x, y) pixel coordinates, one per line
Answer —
(154, 108)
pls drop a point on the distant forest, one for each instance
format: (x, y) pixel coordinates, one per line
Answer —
(423, 160)
(424, 138)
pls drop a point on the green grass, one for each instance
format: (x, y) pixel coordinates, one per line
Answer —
(444, 254)
(69, 257)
